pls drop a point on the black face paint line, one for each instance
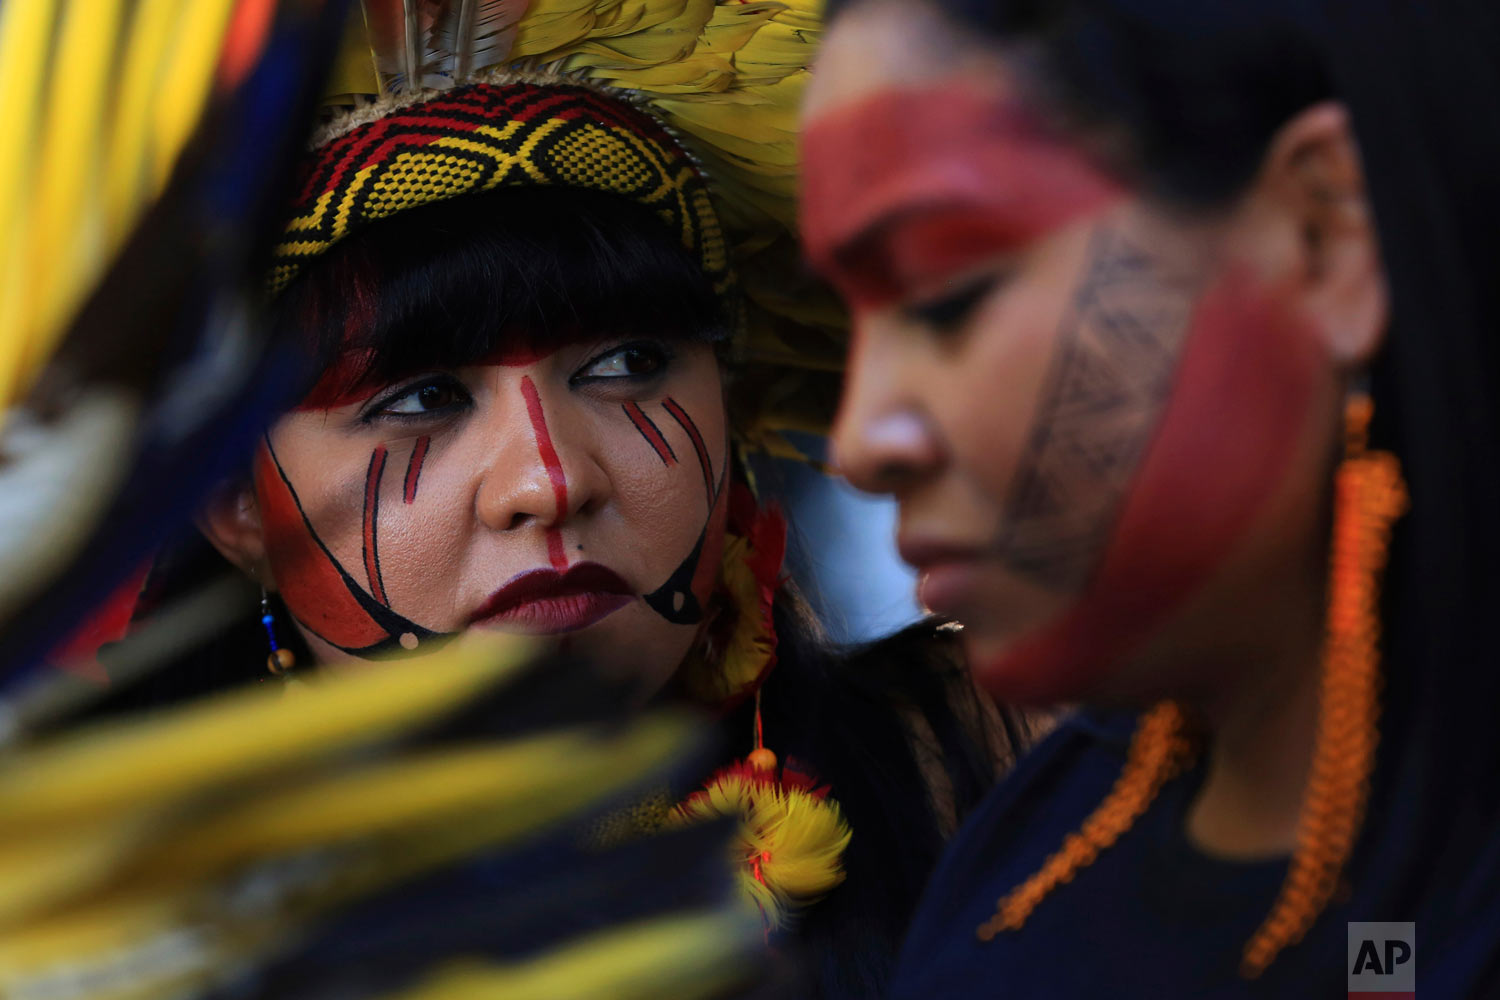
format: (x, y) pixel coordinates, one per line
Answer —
(370, 537)
(686, 422)
(366, 614)
(1109, 382)
(675, 599)
(414, 470)
(651, 433)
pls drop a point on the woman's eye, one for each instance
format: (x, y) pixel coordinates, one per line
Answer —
(432, 396)
(948, 312)
(633, 360)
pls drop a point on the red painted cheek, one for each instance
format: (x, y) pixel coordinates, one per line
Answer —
(309, 582)
(1242, 399)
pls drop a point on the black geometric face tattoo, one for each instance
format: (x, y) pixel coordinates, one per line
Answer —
(1116, 356)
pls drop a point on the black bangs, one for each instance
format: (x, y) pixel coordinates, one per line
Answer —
(516, 269)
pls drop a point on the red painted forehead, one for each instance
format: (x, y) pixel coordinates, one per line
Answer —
(955, 150)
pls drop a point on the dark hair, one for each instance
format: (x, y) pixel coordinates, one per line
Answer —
(448, 283)
(909, 747)
(1201, 88)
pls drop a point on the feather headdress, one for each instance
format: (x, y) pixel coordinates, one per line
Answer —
(718, 81)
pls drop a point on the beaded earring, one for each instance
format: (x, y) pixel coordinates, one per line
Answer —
(281, 660)
(1370, 496)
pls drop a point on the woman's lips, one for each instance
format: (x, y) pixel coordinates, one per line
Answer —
(544, 601)
(950, 588)
(950, 576)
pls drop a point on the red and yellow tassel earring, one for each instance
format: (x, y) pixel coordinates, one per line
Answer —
(792, 834)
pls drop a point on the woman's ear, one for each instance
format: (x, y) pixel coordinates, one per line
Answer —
(230, 520)
(1314, 182)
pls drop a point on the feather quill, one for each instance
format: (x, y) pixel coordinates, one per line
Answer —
(437, 43)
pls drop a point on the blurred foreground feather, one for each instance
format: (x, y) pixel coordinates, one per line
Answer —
(139, 167)
(410, 829)
(178, 852)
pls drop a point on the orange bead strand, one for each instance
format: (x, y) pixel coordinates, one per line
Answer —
(1158, 751)
(1369, 496)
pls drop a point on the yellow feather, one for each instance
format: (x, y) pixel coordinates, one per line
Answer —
(130, 181)
(405, 816)
(354, 65)
(660, 43)
(25, 37)
(683, 957)
(67, 229)
(186, 81)
(242, 734)
(791, 843)
(533, 782)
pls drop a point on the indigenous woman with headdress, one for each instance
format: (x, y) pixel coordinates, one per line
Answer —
(546, 302)
(1172, 321)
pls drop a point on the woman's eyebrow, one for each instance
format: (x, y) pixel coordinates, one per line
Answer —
(868, 248)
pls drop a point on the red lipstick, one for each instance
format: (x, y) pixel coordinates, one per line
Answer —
(545, 602)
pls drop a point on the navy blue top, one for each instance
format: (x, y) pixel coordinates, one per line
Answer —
(1151, 917)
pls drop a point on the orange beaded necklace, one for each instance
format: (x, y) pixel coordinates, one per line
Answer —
(1369, 495)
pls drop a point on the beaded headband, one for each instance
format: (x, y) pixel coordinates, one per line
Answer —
(489, 135)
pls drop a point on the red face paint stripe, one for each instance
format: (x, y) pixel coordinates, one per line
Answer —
(680, 415)
(556, 554)
(414, 469)
(553, 465)
(651, 433)
(985, 169)
(372, 512)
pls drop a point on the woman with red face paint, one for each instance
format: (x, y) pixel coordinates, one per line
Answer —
(526, 319)
(1171, 322)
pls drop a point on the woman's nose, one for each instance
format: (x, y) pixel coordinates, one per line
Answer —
(884, 440)
(542, 467)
